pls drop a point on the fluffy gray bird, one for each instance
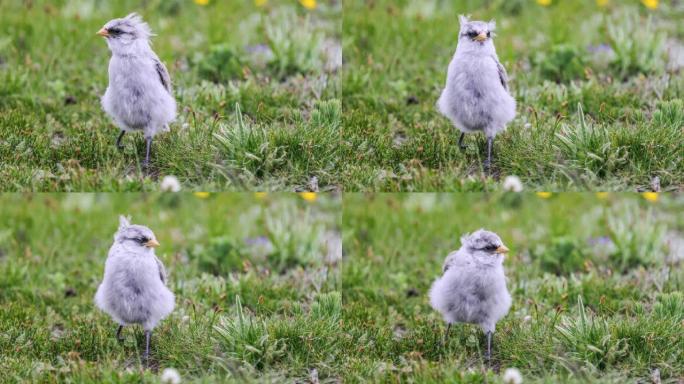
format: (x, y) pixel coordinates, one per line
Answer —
(476, 96)
(472, 288)
(134, 290)
(139, 96)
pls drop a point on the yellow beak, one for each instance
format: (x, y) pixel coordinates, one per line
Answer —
(481, 37)
(502, 249)
(103, 32)
(152, 244)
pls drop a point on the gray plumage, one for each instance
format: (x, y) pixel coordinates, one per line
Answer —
(472, 288)
(134, 290)
(476, 96)
(139, 96)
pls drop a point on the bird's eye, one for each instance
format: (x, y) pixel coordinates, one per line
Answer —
(114, 31)
(472, 34)
(491, 248)
(142, 240)
(489, 34)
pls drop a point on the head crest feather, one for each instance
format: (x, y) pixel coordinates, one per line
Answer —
(124, 221)
(137, 22)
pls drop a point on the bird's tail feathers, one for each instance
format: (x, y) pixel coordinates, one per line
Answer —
(437, 296)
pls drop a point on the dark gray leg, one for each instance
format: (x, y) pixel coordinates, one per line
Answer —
(118, 333)
(148, 335)
(488, 162)
(118, 140)
(488, 355)
(460, 141)
(146, 163)
(446, 334)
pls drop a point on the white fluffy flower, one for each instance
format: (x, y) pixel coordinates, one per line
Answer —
(170, 184)
(170, 376)
(513, 184)
(512, 376)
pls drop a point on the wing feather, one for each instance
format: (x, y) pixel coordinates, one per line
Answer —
(163, 74)
(447, 263)
(162, 270)
(503, 76)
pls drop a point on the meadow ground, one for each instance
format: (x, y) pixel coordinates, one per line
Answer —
(256, 280)
(257, 91)
(600, 96)
(597, 286)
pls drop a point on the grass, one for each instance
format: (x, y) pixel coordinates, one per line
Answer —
(587, 89)
(269, 72)
(265, 293)
(267, 314)
(580, 313)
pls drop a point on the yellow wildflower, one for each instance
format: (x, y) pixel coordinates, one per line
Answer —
(308, 196)
(260, 195)
(650, 196)
(308, 4)
(601, 3)
(260, 3)
(544, 195)
(545, 3)
(602, 195)
(651, 4)
(202, 2)
(202, 195)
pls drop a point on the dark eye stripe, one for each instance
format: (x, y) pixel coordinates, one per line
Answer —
(141, 240)
(115, 31)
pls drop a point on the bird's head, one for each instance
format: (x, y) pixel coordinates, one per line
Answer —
(135, 236)
(476, 35)
(485, 246)
(121, 34)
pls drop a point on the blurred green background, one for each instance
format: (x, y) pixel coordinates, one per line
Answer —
(596, 280)
(264, 266)
(599, 88)
(260, 76)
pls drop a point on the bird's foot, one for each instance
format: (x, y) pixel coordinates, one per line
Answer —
(119, 145)
(460, 142)
(488, 166)
(146, 165)
(148, 145)
(119, 338)
(488, 356)
(146, 355)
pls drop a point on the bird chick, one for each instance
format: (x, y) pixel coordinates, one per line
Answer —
(472, 288)
(476, 96)
(134, 290)
(139, 95)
